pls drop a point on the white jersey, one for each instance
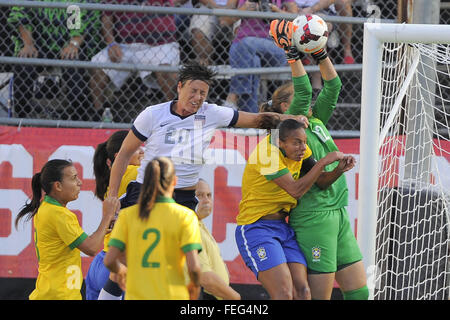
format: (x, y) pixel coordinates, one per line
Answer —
(182, 139)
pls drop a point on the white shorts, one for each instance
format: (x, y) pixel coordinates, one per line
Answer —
(207, 24)
(140, 53)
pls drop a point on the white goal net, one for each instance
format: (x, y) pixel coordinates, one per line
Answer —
(411, 227)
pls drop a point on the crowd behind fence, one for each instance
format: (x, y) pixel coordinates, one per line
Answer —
(61, 63)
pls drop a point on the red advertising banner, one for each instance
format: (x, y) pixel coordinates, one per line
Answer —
(23, 152)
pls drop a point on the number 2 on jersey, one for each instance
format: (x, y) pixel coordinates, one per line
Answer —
(145, 236)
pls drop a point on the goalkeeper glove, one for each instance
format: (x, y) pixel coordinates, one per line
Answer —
(319, 55)
(292, 54)
(281, 34)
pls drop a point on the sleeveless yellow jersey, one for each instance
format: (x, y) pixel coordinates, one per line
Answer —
(57, 236)
(260, 195)
(129, 175)
(155, 249)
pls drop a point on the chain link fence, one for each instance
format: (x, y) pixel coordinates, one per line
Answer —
(72, 62)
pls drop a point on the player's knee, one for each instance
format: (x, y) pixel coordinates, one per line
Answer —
(285, 293)
(302, 292)
(282, 292)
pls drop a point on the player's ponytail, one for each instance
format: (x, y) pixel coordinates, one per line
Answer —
(158, 178)
(103, 159)
(281, 95)
(50, 173)
(268, 120)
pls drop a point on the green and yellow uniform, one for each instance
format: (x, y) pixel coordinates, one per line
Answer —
(155, 249)
(266, 163)
(57, 236)
(320, 219)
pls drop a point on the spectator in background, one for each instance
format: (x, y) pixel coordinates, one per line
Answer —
(204, 28)
(136, 38)
(333, 7)
(40, 33)
(252, 48)
(344, 9)
(182, 22)
(214, 278)
(6, 45)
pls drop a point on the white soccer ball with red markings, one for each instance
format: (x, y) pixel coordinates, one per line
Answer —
(310, 33)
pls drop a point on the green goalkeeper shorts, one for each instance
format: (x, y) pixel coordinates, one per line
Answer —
(326, 239)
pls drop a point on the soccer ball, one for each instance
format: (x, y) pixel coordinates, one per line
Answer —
(310, 33)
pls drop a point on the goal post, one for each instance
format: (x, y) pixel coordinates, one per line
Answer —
(403, 187)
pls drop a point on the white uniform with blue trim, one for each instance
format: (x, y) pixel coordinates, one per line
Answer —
(182, 139)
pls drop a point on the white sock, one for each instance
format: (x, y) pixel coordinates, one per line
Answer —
(104, 295)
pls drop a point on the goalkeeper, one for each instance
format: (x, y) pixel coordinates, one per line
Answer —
(320, 220)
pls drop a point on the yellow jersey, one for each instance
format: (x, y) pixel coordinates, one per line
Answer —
(260, 195)
(129, 175)
(57, 234)
(155, 249)
(210, 258)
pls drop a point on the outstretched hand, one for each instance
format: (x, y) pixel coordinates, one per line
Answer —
(304, 119)
(281, 33)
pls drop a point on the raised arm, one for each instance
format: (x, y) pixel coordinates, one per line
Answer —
(281, 34)
(128, 148)
(328, 96)
(301, 100)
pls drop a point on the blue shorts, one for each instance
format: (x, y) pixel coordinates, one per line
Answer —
(265, 244)
(184, 197)
(96, 277)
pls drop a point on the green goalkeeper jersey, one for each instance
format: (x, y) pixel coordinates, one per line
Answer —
(320, 142)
